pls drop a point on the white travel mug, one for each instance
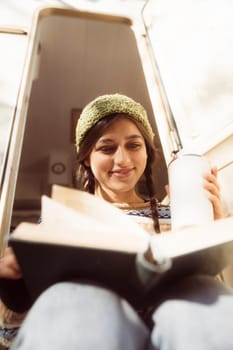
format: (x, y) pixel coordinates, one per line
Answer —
(188, 199)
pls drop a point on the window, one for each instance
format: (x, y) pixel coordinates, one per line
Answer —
(192, 42)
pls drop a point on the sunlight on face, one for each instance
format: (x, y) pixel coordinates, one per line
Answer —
(118, 159)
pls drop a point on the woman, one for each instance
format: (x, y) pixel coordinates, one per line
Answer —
(115, 151)
(115, 147)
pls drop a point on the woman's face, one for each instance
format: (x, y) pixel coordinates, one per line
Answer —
(118, 158)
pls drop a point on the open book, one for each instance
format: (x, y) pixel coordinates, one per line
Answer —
(84, 238)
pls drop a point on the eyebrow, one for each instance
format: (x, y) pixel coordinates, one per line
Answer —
(110, 140)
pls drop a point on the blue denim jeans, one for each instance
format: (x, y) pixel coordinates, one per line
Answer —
(195, 314)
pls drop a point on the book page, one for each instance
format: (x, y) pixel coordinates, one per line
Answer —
(118, 232)
(195, 238)
(95, 208)
(70, 236)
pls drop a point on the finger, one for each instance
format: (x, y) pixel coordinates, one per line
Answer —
(9, 267)
(212, 179)
(214, 171)
(9, 272)
(212, 189)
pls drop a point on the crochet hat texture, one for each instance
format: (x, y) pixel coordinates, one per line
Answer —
(106, 105)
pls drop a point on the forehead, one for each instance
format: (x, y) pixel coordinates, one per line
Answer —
(123, 125)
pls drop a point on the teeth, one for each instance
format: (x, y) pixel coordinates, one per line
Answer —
(123, 172)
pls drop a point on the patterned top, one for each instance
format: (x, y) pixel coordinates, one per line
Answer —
(141, 213)
(10, 322)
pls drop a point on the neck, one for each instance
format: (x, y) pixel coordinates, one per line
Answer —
(124, 197)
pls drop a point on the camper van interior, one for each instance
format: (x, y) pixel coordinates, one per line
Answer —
(173, 61)
(76, 57)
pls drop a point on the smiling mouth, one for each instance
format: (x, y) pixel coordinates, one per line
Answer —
(122, 173)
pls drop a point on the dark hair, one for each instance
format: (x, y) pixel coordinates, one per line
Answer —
(85, 178)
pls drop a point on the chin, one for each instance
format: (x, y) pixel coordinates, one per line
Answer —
(122, 189)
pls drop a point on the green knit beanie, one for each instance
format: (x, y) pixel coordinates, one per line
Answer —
(106, 105)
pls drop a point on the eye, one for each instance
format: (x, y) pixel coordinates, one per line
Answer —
(134, 145)
(107, 149)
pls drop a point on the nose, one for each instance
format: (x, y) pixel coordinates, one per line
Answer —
(121, 156)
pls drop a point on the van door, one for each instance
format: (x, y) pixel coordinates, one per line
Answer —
(192, 44)
(13, 43)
